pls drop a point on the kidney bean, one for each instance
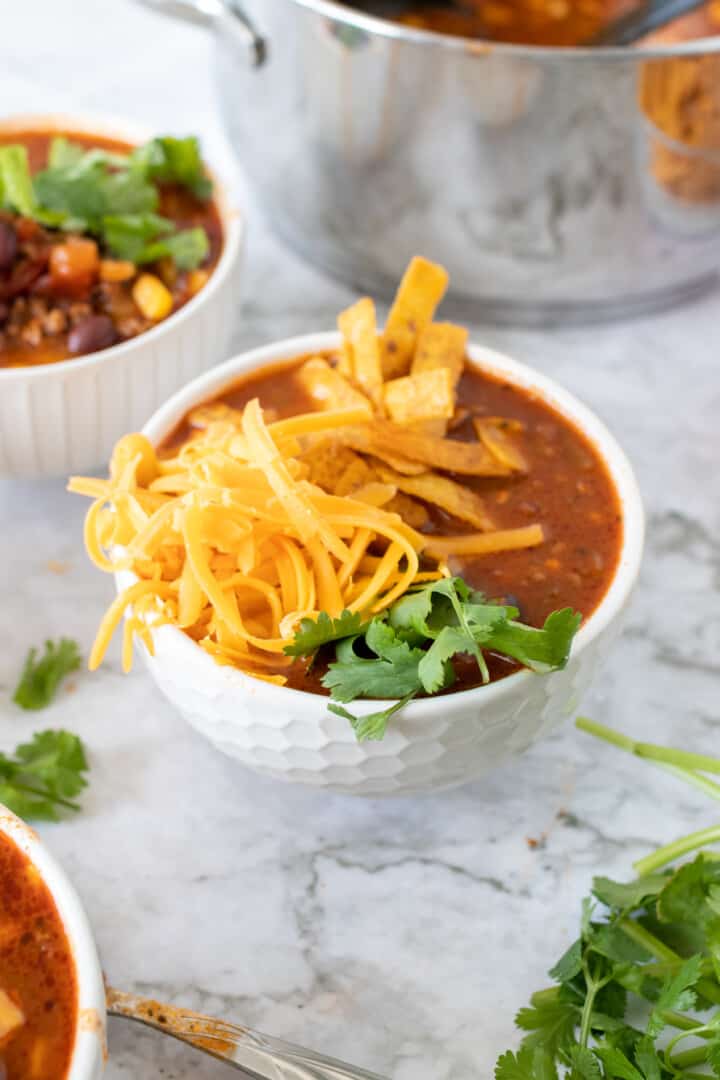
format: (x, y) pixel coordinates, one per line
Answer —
(91, 334)
(8, 245)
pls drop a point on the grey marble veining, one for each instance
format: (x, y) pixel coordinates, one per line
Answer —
(402, 935)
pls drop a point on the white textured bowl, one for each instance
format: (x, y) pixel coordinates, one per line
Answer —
(434, 743)
(66, 417)
(90, 1050)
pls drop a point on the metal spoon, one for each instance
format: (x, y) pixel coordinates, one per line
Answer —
(258, 1056)
(623, 31)
(635, 26)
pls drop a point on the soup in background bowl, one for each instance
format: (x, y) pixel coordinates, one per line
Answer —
(116, 285)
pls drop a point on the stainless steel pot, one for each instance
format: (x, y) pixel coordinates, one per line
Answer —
(550, 182)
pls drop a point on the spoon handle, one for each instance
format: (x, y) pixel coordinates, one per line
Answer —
(258, 1056)
(631, 28)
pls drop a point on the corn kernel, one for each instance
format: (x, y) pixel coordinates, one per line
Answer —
(117, 270)
(152, 297)
(196, 280)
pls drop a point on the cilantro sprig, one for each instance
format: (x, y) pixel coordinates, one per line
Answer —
(111, 196)
(409, 649)
(43, 777)
(643, 977)
(41, 675)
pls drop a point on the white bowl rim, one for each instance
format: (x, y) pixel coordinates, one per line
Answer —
(212, 383)
(233, 222)
(91, 1012)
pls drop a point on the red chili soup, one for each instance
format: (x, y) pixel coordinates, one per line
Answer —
(66, 292)
(38, 988)
(566, 487)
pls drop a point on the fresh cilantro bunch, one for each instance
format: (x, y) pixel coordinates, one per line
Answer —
(111, 196)
(409, 649)
(43, 776)
(628, 991)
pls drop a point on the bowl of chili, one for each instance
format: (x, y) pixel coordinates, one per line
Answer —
(119, 268)
(400, 520)
(52, 996)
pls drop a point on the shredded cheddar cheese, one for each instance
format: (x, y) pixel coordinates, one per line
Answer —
(232, 544)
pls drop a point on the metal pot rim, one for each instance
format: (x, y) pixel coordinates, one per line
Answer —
(383, 28)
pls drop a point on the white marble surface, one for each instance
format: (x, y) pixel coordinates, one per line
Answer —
(401, 935)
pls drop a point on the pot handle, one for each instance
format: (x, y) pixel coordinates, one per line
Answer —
(206, 12)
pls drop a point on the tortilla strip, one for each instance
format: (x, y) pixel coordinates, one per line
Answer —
(422, 288)
(463, 503)
(358, 327)
(441, 345)
(351, 437)
(327, 387)
(382, 438)
(413, 513)
(427, 396)
(485, 543)
(494, 433)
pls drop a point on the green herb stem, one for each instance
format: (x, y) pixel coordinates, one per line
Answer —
(681, 1021)
(697, 1055)
(670, 852)
(682, 759)
(648, 941)
(708, 787)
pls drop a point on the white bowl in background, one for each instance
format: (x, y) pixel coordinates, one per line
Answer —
(90, 1048)
(66, 417)
(435, 742)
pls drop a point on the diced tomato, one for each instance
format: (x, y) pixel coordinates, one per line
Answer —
(74, 266)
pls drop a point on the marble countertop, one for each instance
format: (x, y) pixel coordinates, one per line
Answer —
(402, 935)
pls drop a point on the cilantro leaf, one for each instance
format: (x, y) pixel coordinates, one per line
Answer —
(372, 725)
(677, 993)
(64, 154)
(647, 1060)
(434, 671)
(630, 895)
(543, 650)
(187, 248)
(170, 160)
(41, 677)
(550, 1024)
(16, 186)
(617, 1066)
(127, 236)
(314, 633)
(585, 1066)
(44, 775)
(392, 674)
(686, 896)
(75, 192)
(526, 1065)
(569, 965)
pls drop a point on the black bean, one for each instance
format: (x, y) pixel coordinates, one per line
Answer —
(92, 333)
(8, 245)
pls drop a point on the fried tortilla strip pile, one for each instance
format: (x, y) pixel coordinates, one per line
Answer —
(421, 290)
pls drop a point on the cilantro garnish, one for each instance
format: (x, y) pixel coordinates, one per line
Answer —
(111, 196)
(314, 633)
(42, 675)
(409, 650)
(644, 975)
(43, 776)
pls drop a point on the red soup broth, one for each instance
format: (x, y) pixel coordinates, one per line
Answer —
(37, 974)
(567, 489)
